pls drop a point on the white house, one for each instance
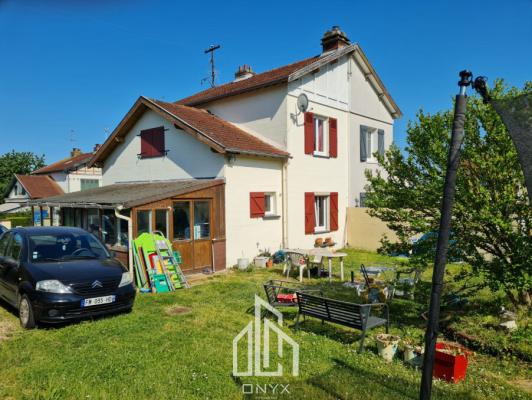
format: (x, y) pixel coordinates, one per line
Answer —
(68, 175)
(289, 175)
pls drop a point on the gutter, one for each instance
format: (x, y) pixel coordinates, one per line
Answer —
(129, 237)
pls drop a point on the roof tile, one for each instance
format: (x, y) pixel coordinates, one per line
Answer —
(66, 164)
(39, 186)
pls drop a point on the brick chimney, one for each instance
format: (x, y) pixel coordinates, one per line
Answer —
(243, 72)
(334, 39)
(75, 152)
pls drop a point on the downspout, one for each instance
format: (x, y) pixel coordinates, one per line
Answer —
(129, 236)
(284, 183)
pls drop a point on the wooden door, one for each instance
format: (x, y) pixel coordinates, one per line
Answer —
(192, 233)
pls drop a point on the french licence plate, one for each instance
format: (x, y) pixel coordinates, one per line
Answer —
(96, 301)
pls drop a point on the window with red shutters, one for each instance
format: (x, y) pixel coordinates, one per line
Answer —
(152, 142)
(333, 220)
(256, 204)
(333, 138)
(309, 213)
(309, 133)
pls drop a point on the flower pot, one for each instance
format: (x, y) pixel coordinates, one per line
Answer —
(450, 362)
(260, 262)
(387, 345)
(243, 263)
(269, 263)
(412, 352)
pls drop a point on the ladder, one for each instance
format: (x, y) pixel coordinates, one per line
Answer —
(166, 255)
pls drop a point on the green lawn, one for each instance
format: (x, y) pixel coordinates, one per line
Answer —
(151, 353)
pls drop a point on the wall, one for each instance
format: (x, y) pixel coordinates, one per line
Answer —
(247, 236)
(261, 113)
(365, 232)
(328, 92)
(187, 157)
(75, 177)
(365, 109)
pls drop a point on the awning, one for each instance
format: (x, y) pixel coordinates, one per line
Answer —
(126, 195)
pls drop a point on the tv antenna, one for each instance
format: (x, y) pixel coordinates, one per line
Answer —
(211, 50)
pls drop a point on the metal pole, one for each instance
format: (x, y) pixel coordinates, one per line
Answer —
(457, 137)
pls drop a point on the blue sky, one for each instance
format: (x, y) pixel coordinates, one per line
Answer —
(80, 65)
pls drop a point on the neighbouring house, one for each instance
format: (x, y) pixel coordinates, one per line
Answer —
(240, 168)
(71, 174)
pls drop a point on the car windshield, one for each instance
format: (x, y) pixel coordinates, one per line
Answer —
(65, 246)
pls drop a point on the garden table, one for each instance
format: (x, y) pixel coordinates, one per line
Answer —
(324, 252)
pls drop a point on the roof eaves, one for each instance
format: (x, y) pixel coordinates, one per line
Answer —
(260, 153)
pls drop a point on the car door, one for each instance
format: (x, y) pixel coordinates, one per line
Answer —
(12, 273)
(4, 244)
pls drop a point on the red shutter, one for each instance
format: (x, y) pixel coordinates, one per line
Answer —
(333, 138)
(310, 222)
(309, 133)
(158, 141)
(146, 143)
(256, 204)
(333, 199)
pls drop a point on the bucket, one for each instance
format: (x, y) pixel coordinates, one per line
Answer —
(412, 352)
(243, 263)
(260, 262)
(387, 345)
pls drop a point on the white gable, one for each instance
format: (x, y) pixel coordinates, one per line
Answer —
(187, 157)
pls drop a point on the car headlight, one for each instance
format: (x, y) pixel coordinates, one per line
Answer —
(126, 279)
(52, 286)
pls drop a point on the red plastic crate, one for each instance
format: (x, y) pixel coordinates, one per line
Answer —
(450, 367)
(287, 298)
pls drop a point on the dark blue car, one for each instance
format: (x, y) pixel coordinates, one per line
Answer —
(55, 274)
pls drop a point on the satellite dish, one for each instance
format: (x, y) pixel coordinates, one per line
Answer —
(302, 102)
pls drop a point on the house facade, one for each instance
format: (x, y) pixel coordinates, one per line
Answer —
(289, 172)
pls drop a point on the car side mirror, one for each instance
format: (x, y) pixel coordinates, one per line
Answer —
(9, 262)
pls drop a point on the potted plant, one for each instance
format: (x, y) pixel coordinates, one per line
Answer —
(450, 362)
(412, 346)
(387, 345)
(262, 259)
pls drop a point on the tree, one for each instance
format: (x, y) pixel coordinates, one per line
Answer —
(492, 217)
(16, 162)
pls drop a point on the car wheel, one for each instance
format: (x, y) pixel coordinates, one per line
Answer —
(25, 312)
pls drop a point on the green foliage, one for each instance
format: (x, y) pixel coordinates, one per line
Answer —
(492, 217)
(16, 162)
(18, 219)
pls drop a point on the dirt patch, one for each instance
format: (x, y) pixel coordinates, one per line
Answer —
(6, 329)
(525, 384)
(178, 310)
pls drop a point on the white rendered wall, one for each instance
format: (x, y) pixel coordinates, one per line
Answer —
(247, 236)
(187, 156)
(261, 113)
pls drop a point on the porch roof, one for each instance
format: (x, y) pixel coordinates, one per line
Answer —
(127, 195)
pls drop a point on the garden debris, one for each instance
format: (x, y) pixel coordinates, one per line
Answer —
(6, 329)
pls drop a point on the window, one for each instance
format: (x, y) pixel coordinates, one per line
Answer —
(109, 231)
(161, 221)
(62, 246)
(89, 184)
(143, 221)
(93, 221)
(15, 247)
(202, 219)
(182, 220)
(362, 199)
(371, 141)
(4, 241)
(321, 145)
(270, 206)
(321, 213)
(152, 143)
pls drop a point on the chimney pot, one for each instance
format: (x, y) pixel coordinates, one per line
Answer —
(244, 71)
(334, 39)
(75, 152)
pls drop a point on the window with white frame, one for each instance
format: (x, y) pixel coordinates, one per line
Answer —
(321, 212)
(321, 137)
(270, 206)
(371, 144)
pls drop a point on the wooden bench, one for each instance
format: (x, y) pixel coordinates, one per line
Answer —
(357, 316)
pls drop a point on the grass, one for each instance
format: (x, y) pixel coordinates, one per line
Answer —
(159, 352)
